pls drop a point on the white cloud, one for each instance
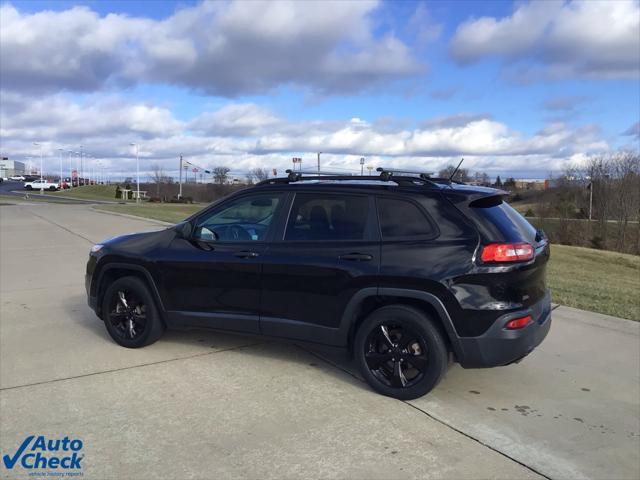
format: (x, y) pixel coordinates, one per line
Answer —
(244, 136)
(235, 119)
(592, 39)
(221, 48)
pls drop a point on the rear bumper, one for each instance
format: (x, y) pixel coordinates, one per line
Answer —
(498, 346)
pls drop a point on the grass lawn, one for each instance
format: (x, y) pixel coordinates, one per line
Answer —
(89, 192)
(167, 212)
(595, 280)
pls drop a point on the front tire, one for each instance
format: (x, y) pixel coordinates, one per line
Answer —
(400, 352)
(130, 313)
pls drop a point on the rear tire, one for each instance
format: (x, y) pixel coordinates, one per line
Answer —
(130, 313)
(400, 352)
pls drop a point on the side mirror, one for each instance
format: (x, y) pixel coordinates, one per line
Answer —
(184, 230)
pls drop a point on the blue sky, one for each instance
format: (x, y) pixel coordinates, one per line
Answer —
(516, 88)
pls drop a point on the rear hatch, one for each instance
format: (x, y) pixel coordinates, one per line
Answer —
(515, 280)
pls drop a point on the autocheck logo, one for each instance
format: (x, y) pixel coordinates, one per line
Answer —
(40, 453)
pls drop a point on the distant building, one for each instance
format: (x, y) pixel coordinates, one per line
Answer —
(9, 168)
(531, 184)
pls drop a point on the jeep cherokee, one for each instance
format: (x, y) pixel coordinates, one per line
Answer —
(404, 271)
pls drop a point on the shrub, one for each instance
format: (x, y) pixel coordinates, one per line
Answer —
(597, 242)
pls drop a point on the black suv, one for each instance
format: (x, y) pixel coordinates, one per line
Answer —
(403, 271)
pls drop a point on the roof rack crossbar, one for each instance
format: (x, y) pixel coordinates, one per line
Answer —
(409, 172)
(389, 173)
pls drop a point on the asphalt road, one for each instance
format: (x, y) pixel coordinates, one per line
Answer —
(207, 405)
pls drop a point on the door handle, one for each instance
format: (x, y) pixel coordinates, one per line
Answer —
(246, 254)
(356, 257)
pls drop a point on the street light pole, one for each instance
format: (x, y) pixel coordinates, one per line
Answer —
(60, 150)
(137, 171)
(41, 183)
(180, 192)
(81, 172)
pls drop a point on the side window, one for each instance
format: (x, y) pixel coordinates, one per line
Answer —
(400, 219)
(241, 220)
(319, 216)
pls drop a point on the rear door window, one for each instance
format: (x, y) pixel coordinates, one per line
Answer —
(402, 219)
(320, 216)
(501, 222)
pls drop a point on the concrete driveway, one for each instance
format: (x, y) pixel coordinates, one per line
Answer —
(206, 405)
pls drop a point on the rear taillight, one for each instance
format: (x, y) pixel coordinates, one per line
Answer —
(506, 252)
(518, 323)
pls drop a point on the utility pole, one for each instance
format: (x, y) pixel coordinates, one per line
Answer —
(319, 162)
(180, 192)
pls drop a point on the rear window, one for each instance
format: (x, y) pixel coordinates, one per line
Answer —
(501, 222)
(400, 219)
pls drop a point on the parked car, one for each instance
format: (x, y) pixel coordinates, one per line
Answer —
(41, 185)
(404, 272)
(17, 178)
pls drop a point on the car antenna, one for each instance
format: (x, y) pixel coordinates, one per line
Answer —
(453, 174)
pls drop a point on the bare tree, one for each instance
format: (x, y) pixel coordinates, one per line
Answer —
(220, 174)
(260, 174)
(158, 176)
(462, 175)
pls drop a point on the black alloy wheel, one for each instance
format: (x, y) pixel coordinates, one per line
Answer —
(130, 314)
(396, 354)
(400, 352)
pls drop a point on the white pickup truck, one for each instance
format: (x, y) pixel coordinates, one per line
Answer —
(41, 185)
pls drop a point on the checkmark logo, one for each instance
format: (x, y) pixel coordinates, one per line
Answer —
(10, 462)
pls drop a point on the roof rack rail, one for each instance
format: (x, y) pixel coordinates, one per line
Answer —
(323, 172)
(386, 175)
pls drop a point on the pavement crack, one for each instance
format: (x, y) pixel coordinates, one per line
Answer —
(62, 227)
(131, 367)
(424, 412)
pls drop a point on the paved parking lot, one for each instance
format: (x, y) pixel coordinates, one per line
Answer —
(207, 405)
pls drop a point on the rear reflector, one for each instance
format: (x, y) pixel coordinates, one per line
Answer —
(518, 323)
(507, 252)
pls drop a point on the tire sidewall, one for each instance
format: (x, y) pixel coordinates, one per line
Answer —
(154, 326)
(437, 354)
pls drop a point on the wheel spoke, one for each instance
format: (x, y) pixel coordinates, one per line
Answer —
(398, 379)
(418, 361)
(374, 359)
(122, 299)
(385, 332)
